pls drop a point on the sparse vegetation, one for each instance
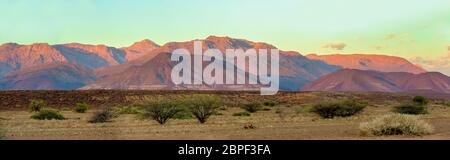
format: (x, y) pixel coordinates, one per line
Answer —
(281, 122)
(203, 106)
(48, 114)
(252, 107)
(240, 114)
(161, 110)
(410, 108)
(105, 115)
(81, 107)
(396, 124)
(417, 106)
(36, 105)
(420, 100)
(342, 108)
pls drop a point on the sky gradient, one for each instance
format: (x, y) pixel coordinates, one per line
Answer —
(418, 30)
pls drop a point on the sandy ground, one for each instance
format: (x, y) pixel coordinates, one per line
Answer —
(288, 123)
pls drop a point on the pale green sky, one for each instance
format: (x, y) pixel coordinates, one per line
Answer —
(407, 28)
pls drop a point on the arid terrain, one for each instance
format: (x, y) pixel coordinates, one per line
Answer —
(290, 119)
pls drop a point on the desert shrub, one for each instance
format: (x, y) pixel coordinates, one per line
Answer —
(81, 107)
(161, 110)
(129, 110)
(102, 116)
(420, 100)
(203, 106)
(48, 114)
(36, 105)
(270, 103)
(252, 106)
(396, 124)
(241, 114)
(343, 108)
(249, 126)
(266, 109)
(410, 108)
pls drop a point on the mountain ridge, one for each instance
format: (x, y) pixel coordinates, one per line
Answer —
(374, 81)
(146, 65)
(376, 62)
(294, 68)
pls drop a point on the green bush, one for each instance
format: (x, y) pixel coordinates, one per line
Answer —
(81, 107)
(420, 100)
(396, 124)
(48, 114)
(161, 110)
(184, 113)
(411, 108)
(36, 105)
(203, 106)
(241, 114)
(343, 108)
(105, 115)
(270, 103)
(252, 107)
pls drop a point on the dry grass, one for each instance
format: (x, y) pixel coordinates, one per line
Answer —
(396, 124)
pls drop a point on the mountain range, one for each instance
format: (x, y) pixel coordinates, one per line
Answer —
(374, 81)
(147, 65)
(382, 63)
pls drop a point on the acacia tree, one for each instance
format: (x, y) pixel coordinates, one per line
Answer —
(162, 111)
(202, 106)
